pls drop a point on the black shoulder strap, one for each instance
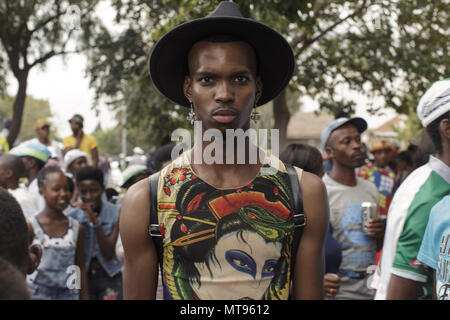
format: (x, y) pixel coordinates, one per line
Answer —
(154, 230)
(299, 216)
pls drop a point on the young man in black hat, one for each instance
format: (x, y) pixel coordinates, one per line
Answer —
(226, 229)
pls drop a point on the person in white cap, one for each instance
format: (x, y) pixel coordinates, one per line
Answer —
(401, 275)
(74, 160)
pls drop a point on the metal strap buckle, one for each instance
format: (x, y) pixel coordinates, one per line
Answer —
(299, 220)
(154, 230)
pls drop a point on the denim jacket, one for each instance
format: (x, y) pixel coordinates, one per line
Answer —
(109, 216)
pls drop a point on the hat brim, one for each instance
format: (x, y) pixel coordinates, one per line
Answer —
(168, 60)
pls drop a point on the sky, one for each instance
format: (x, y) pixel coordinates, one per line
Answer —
(65, 85)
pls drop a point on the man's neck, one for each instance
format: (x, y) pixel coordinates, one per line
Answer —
(241, 167)
(445, 155)
(31, 176)
(44, 141)
(343, 175)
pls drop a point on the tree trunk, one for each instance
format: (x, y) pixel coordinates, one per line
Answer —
(18, 107)
(282, 116)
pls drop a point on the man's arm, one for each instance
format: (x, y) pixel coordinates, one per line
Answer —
(140, 272)
(94, 154)
(79, 261)
(309, 264)
(403, 289)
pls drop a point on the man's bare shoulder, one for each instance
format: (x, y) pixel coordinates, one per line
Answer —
(138, 192)
(137, 198)
(311, 184)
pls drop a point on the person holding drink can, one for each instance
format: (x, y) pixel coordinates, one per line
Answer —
(353, 201)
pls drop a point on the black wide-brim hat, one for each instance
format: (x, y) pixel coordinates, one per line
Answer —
(169, 58)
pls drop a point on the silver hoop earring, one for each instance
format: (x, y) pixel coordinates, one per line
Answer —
(191, 117)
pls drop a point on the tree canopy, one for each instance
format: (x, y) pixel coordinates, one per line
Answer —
(32, 32)
(387, 50)
(34, 109)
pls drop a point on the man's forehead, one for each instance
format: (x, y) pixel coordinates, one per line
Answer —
(347, 129)
(236, 50)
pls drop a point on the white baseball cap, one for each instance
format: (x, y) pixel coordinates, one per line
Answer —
(435, 102)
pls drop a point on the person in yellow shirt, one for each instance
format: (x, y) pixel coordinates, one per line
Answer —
(4, 146)
(81, 140)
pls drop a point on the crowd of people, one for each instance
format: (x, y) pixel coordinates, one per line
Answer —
(347, 222)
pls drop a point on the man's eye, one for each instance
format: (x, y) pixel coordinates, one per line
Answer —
(241, 79)
(205, 80)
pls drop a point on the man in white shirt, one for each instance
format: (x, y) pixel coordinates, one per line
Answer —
(42, 129)
(34, 157)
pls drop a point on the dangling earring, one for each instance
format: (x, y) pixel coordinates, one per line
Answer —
(255, 116)
(191, 117)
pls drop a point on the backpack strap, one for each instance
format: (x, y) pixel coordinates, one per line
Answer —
(299, 216)
(154, 230)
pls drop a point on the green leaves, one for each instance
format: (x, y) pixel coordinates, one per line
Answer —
(387, 51)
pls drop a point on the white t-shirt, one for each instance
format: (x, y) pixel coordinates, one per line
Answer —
(29, 198)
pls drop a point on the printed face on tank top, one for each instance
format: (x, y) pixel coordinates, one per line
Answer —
(225, 244)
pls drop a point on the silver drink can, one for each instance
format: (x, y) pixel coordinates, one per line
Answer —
(369, 212)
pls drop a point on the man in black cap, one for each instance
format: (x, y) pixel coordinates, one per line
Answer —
(226, 229)
(80, 140)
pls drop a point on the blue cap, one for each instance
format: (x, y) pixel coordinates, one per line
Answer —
(359, 123)
(32, 149)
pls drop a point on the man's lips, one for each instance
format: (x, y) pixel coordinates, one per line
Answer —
(224, 115)
(224, 118)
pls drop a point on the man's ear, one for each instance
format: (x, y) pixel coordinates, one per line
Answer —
(187, 87)
(444, 128)
(9, 173)
(34, 257)
(329, 152)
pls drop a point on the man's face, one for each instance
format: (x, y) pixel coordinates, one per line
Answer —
(91, 193)
(344, 146)
(77, 164)
(75, 126)
(5, 174)
(222, 83)
(43, 133)
(382, 157)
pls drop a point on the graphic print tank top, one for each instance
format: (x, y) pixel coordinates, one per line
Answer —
(226, 243)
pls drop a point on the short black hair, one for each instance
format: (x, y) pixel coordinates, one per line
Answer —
(433, 132)
(14, 163)
(303, 156)
(12, 282)
(89, 173)
(162, 155)
(406, 157)
(42, 175)
(14, 238)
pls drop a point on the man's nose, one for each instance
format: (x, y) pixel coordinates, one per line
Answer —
(224, 92)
